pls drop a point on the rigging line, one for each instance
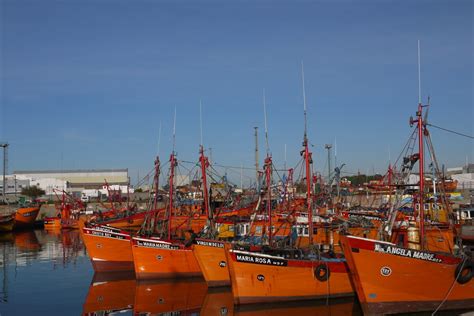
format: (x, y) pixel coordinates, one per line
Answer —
(450, 131)
(405, 148)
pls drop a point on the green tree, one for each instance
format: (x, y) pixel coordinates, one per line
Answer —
(33, 192)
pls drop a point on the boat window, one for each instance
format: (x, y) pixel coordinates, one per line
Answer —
(258, 229)
(417, 206)
(426, 206)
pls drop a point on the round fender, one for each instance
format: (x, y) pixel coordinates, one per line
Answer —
(322, 273)
(464, 271)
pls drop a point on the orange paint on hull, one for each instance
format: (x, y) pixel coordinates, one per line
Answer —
(176, 297)
(154, 258)
(258, 278)
(69, 223)
(109, 249)
(52, 223)
(210, 255)
(110, 292)
(26, 216)
(391, 279)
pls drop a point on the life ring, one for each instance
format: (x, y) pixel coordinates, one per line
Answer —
(322, 273)
(196, 216)
(465, 271)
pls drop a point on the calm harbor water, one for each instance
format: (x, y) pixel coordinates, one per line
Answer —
(49, 273)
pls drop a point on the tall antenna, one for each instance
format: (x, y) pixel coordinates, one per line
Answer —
(266, 128)
(174, 129)
(256, 155)
(419, 74)
(285, 159)
(159, 139)
(200, 119)
(304, 99)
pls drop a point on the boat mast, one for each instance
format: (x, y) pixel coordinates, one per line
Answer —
(157, 181)
(421, 161)
(256, 157)
(171, 179)
(268, 175)
(157, 171)
(307, 158)
(204, 164)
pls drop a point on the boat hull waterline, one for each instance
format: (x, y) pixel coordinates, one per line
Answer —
(109, 248)
(391, 279)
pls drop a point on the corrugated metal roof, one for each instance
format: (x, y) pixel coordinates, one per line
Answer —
(69, 171)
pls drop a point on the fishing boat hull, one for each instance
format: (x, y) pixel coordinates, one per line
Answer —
(108, 248)
(391, 279)
(260, 278)
(52, 223)
(7, 222)
(130, 222)
(26, 216)
(154, 258)
(210, 255)
(70, 223)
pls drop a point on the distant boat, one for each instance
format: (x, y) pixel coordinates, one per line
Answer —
(26, 216)
(7, 222)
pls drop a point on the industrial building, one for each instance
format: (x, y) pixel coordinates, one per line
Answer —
(72, 180)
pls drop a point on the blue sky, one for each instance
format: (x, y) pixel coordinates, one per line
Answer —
(85, 84)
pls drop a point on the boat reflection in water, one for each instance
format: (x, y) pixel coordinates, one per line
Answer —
(175, 296)
(340, 306)
(219, 301)
(110, 293)
(119, 292)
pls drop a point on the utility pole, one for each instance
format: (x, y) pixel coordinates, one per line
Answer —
(5, 160)
(328, 147)
(256, 155)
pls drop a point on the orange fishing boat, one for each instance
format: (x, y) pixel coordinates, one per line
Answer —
(393, 278)
(110, 293)
(258, 278)
(283, 274)
(7, 222)
(211, 257)
(381, 272)
(154, 258)
(26, 216)
(170, 297)
(108, 248)
(52, 223)
(128, 222)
